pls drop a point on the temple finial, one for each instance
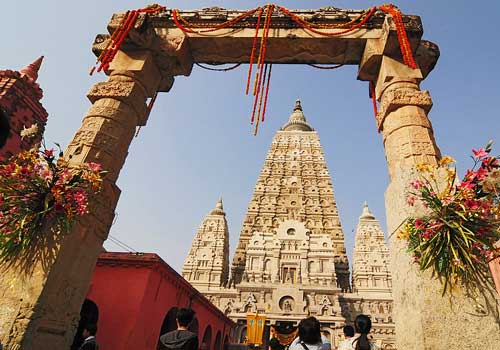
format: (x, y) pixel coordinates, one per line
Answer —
(298, 106)
(31, 70)
(219, 208)
(366, 214)
(297, 120)
(219, 204)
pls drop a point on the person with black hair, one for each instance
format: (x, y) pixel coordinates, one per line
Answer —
(362, 325)
(4, 128)
(181, 338)
(309, 336)
(346, 344)
(89, 332)
(274, 344)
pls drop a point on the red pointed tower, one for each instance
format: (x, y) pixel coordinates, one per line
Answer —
(20, 97)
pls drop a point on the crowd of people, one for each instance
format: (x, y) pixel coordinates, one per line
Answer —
(309, 336)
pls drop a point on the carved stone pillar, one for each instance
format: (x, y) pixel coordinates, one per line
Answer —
(424, 319)
(41, 312)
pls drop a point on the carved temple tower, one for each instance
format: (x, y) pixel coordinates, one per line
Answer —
(294, 197)
(371, 257)
(290, 261)
(207, 264)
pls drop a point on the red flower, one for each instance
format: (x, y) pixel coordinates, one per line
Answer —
(471, 204)
(48, 153)
(466, 185)
(411, 201)
(428, 233)
(481, 173)
(479, 153)
(419, 224)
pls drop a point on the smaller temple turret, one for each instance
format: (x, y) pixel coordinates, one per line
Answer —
(22, 112)
(207, 264)
(371, 256)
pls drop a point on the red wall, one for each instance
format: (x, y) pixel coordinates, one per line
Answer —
(134, 294)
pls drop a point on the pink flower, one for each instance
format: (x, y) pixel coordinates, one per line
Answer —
(64, 176)
(481, 174)
(456, 262)
(419, 224)
(480, 153)
(95, 167)
(411, 201)
(46, 174)
(416, 184)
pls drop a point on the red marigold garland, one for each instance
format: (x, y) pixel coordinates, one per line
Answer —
(130, 18)
(404, 43)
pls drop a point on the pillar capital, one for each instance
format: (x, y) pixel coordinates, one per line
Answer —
(170, 51)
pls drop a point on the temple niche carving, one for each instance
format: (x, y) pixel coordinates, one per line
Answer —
(291, 261)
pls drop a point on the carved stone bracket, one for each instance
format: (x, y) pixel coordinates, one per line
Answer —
(397, 98)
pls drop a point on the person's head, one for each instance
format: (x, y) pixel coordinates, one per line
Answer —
(89, 330)
(4, 127)
(363, 325)
(348, 331)
(274, 344)
(184, 317)
(309, 330)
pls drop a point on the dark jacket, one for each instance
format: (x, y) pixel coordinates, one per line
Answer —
(90, 344)
(179, 339)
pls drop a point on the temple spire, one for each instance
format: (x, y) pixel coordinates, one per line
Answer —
(297, 121)
(31, 70)
(366, 214)
(219, 208)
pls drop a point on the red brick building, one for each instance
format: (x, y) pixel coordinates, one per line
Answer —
(134, 299)
(20, 97)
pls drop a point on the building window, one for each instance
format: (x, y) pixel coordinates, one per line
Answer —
(289, 274)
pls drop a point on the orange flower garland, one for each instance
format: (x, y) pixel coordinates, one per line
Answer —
(404, 43)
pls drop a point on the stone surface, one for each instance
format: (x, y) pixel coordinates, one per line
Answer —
(291, 261)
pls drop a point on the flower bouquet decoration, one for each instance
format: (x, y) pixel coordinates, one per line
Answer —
(41, 195)
(456, 239)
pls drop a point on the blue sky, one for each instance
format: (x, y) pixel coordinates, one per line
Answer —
(198, 143)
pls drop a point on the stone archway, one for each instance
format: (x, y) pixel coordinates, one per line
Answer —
(154, 53)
